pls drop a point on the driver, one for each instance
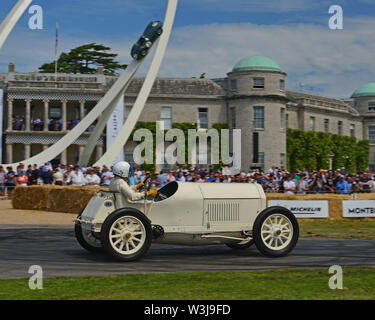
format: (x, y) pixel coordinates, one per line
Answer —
(121, 171)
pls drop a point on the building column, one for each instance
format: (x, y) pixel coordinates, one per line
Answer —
(9, 153)
(28, 111)
(27, 150)
(99, 151)
(82, 109)
(45, 118)
(64, 157)
(10, 114)
(64, 112)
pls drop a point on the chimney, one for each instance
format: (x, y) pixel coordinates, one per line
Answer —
(11, 67)
(100, 69)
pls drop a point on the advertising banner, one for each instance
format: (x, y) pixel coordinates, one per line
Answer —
(358, 208)
(114, 125)
(304, 209)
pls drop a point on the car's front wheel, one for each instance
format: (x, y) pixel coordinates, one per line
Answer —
(275, 232)
(126, 235)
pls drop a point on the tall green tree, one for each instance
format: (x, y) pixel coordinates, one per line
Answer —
(85, 59)
(312, 150)
(362, 151)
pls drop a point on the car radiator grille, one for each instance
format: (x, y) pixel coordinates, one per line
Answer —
(223, 211)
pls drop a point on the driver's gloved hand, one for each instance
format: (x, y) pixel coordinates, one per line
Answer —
(140, 185)
(152, 193)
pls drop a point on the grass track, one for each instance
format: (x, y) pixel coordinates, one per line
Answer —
(344, 229)
(359, 283)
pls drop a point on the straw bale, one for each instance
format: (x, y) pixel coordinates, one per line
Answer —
(66, 199)
(30, 198)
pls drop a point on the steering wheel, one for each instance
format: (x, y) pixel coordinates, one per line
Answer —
(148, 184)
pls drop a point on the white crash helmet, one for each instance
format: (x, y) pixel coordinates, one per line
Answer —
(122, 169)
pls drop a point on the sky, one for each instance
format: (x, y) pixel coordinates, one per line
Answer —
(211, 36)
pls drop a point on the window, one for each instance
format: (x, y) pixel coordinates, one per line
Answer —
(282, 119)
(258, 83)
(282, 159)
(352, 130)
(287, 121)
(339, 127)
(55, 112)
(371, 134)
(258, 117)
(202, 118)
(233, 117)
(312, 124)
(371, 106)
(233, 85)
(127, 111)
(282, 85)
(166, 117)
(326, 125)
(261, 160)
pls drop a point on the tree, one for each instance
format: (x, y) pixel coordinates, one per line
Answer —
(85, 59)
(362, 151)
(312, 150)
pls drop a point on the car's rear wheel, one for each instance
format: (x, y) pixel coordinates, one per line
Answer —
(126, 235)
(143, 53)
(160, 31)
(275, 232)
(242, 245)
(87, 239)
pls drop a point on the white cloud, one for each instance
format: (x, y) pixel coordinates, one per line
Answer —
(332, 63)
(260, 5)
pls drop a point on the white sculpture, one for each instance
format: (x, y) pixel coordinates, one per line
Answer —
(10, 21)
(111, 98)
(143, 95)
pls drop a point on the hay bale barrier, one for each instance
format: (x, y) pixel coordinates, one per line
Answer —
(65, 199)
(69, 199)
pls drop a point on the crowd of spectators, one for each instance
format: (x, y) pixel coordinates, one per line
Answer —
(274, 180)
(37, 124)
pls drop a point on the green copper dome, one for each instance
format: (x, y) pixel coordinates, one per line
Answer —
(366, 90)
(256, 63)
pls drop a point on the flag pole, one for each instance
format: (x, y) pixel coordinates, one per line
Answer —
(56, 49)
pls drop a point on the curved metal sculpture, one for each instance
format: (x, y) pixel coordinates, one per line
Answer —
(53, 151)
(143, 95)
(111, 98)
(10, 21)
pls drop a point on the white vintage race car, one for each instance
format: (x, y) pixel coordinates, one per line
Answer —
(187, 214)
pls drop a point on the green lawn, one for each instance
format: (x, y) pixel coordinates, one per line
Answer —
(344, 229)
(358, 283)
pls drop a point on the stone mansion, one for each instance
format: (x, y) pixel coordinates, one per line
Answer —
(38, 109)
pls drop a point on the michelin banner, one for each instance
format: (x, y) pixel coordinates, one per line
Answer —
(303, 209)
(358, 208)
(114, 125)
